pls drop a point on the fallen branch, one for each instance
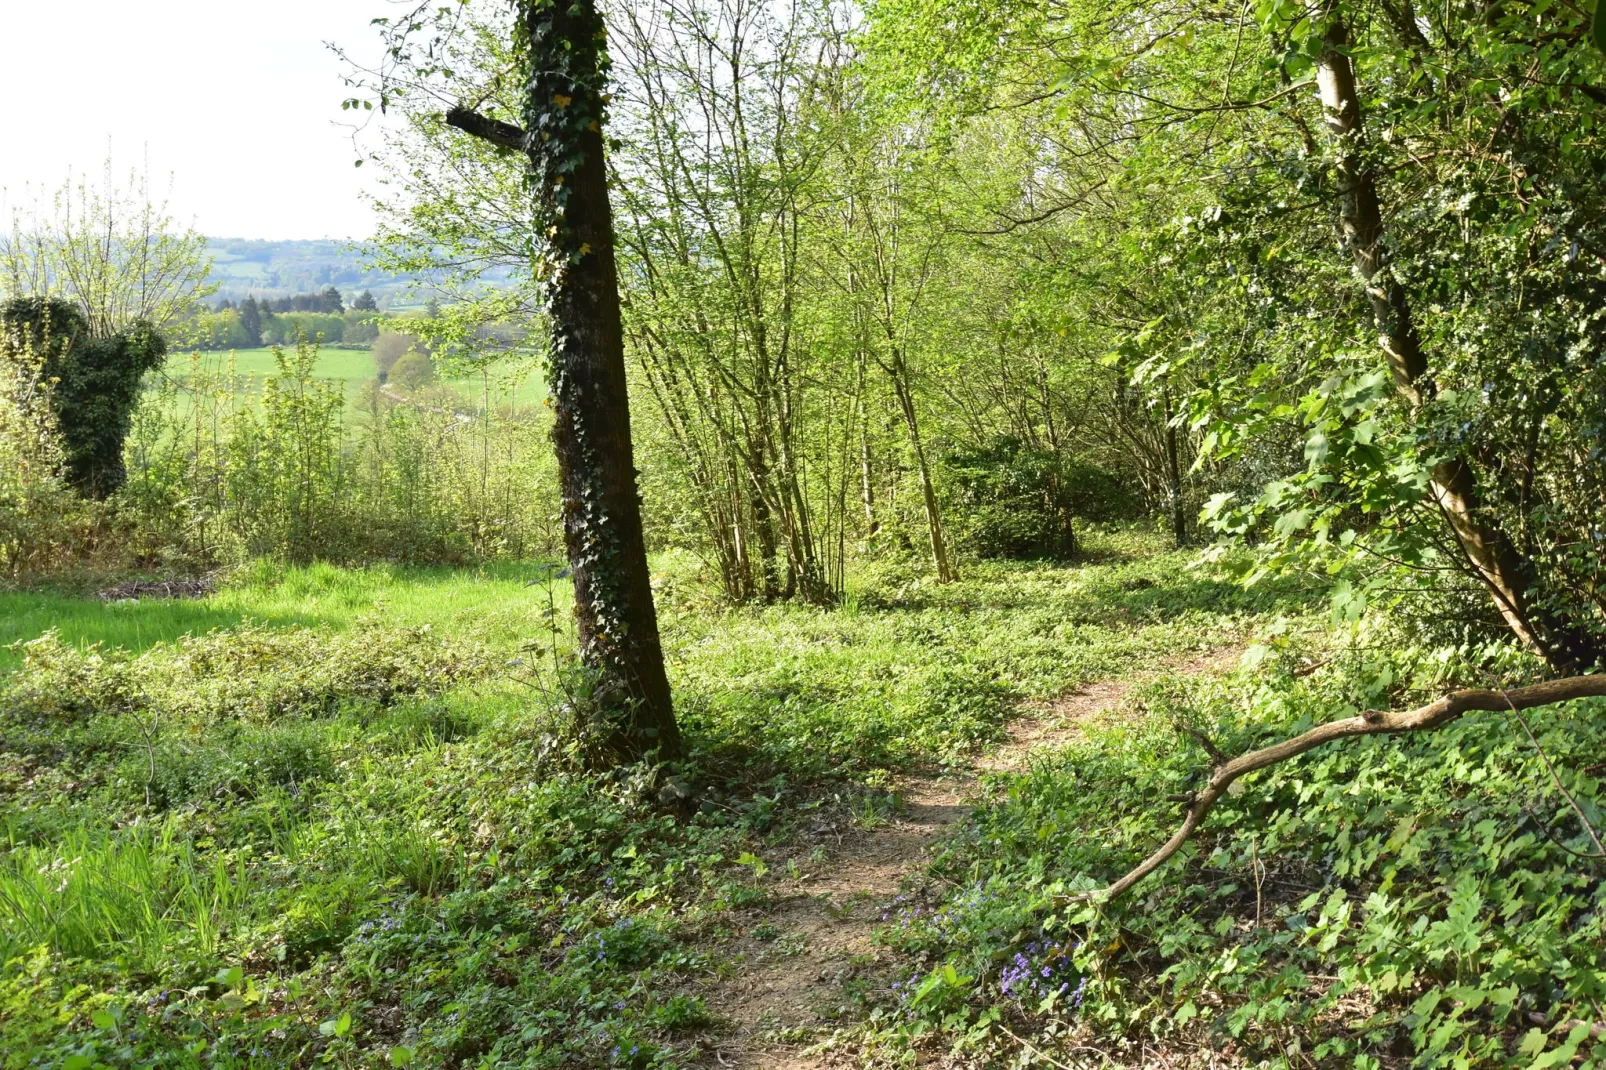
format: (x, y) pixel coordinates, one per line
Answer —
(1370, 723)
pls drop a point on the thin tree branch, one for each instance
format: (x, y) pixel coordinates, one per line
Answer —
(1555, 777)
(1369, 723)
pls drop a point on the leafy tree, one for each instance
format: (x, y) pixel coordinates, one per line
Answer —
(95, 383)
(365, 302)
(251, 321)
(413, 371)
(391, 346)
(115, 252)
(562, 62)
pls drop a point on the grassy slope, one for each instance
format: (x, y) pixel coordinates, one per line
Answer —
(492, 601)
(344, 836)
(258, 807)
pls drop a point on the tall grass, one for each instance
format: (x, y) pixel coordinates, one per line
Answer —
(142, 894)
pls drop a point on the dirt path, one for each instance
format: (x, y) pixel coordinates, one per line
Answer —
(796, 959)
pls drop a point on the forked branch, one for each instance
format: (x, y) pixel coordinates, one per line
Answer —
(1370, 723)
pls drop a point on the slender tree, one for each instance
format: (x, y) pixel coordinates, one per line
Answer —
(1492, 555)
(564, 59)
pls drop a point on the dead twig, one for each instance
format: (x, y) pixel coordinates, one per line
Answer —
(1555, 778)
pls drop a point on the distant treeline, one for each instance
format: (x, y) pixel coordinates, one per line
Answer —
(281, 320)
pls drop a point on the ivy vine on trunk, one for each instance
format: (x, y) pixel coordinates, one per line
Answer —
(562, 44)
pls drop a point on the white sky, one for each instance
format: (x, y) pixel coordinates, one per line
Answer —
(237, 103)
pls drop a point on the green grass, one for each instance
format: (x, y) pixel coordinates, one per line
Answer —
(346, 365)
(495, 601)
(328, 817)
(350, 368)
(356, 802)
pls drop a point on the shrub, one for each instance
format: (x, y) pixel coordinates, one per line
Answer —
(96, 383)
(412, 371)
(40, 520)
(219, 475)
(1011, 500)
(391, 346)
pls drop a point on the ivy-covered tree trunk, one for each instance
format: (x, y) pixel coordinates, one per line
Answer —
(97, 383)
(617, 623)
(1490, 553)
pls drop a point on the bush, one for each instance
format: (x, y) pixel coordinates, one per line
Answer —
(413, 371)
(96, 383)
(219, 476)
(42, 523)
(392, 346)
(1011, 500)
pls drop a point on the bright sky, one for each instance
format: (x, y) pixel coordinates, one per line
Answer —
(237, 103)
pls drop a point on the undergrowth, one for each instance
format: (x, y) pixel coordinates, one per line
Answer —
(1417, 901)
(342, 831)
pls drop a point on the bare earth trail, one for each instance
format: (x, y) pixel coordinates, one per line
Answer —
(796, 957)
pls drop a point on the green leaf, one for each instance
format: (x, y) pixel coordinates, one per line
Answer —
(1563, 1055)
(103, 1020)
(1597, 30)
(401, 1055)
(336, 1027)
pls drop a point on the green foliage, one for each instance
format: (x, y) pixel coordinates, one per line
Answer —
(413, 371)
(1010, 500)
(41, 521)
(95, 383)
(224, 468)
(1418, 894)
(333, 833)
(287, 328)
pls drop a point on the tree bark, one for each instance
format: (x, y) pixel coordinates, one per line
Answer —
(1173, 472)
(614, 611)
(1490, 553)
(616, 621)
(946, 573)
(866, 470)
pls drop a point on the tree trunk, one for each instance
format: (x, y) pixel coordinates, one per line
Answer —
(866, 469)
(1490, 553)
(616, 621)
(1173, 474)
(946, 573)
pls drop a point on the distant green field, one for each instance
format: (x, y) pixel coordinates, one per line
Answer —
(348, 365)
(350, 368)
